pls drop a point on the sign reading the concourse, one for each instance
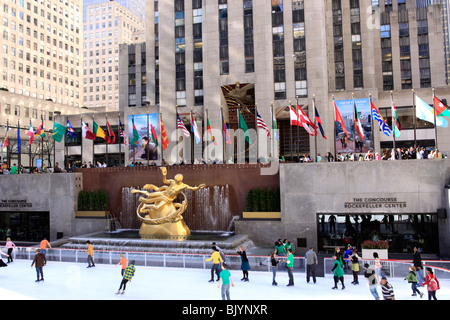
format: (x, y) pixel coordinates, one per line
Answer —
(374, 203)
(15, 204)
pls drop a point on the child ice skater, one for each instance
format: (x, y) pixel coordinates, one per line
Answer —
(129, 273)
(338, 273)
(225, 279)
(412, 278)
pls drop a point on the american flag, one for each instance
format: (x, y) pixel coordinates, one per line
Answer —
(261, 124)
(122, 133)
(181, 126)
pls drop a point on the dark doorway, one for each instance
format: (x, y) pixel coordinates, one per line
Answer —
(25, 226)
(403, 232)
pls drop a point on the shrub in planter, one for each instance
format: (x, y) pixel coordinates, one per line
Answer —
(369, 244)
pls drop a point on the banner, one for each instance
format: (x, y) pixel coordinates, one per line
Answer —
(145, 144)
(353, 143)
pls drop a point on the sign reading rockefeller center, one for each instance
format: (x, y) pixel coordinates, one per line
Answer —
(15, 204)
(374, 203)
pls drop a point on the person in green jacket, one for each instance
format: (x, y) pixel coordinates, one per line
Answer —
(128, 275)
(290, 267)
(338, 273)
(412, 278)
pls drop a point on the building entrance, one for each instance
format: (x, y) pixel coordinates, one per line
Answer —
(25, 226)
(403, 232)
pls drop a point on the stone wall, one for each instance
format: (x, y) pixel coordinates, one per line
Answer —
(417, 186)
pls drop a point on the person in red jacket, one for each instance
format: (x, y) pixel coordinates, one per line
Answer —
(432, 284)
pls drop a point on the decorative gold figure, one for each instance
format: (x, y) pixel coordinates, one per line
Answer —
(163, 218)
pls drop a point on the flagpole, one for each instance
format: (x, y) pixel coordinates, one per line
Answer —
(223, 136)
(81, 120)
(18, 145)
(160, 133)
(298, 131)
(371, 124)
(106, 140)
(120, 144)
(239, 132)
(415, 120)
(29, 153)
(334, 125)
(315, 126)
(206, 145)
(273, 131)
(42, 144)
(257, 133)
(435, 122)
(192, 137)
(176, 126)
(291, 137)
(354, 122)
(393, 124)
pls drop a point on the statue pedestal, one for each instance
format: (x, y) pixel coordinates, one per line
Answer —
(172, 231)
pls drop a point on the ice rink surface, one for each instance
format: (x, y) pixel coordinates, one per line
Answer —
(70, 281)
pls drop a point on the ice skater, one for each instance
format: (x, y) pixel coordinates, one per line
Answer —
(2, 263)
(216, 259)
(123, 261)
(225, 280)
(129, 274)
(311, 262)
(43, 245)
(245, 266)
(412, 278)
(39, 261)
(387, 290)
(274, 261)
(432, 284)
(10, 245)
(290, 267)
(90, 257)
(338, 273)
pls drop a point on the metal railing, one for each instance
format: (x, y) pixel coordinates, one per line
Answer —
(391, 268)
(155, 259)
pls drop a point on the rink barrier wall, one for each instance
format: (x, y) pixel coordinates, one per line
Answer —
(394, 268)
(391, 268)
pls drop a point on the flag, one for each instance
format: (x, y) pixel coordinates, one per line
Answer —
(319, 121)
(377, 116)
(18, 138)
(30, 133)
(6, 142)
(40, 131)
(154, 135)
(122, 133)
(58, 131)
(339, 119)
(135, 139)
(426, 113)
(244, 127)
(86, 132)
(358, 125)
(441, 108)
(195, 130)
(396, 122)
(98, 131)
(110, 137)
(181, 126)
(209, 129)
(274, 125)
(225, 129)
(261, 124)
(293, 116)
(164, 139)
(70, 131)
(305, 122)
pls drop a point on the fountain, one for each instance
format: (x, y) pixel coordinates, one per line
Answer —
(163, 229)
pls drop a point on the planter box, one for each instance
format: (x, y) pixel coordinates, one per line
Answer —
(261, 215)
(368, 253)
(91, 214)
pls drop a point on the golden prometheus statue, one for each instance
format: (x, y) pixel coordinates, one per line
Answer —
(160, 216)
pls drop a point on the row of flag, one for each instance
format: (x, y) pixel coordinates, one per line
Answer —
(298, 117)
(423, 111)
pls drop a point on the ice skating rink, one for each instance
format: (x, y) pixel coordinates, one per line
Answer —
(70, 281)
